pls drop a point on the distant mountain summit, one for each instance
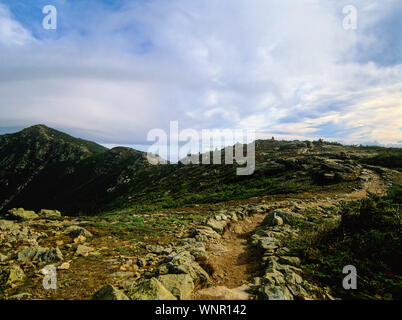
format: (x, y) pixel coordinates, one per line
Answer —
(25, 154)
(42, 168)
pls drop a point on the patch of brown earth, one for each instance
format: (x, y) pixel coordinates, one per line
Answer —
(233, 262)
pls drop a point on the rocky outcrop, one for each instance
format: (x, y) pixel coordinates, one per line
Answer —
(36, 253)
(75, 231)
(50, 214)
(20, 214)
(286, 217)
(149, 289)
(179, 285)
(282, 277)
(109, 292)
(223, 293)
(11, 275)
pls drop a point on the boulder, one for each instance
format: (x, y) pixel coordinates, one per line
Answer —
(223, 293)
(149, 289)
(7, 225)
(49, 214)
(180, 285)
(21, 215)
(83, 250)
(288, 217)
(157, 249)
(277, 221)
(75, 231)
(270, 292)
(109, 292)
(218, 226)
(36, 253)
(293, 261)
(299, 293)
(11, 275)
(203, 233)
(20, 296)
(3, 258)
(184, 263)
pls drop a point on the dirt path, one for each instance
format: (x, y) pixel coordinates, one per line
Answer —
(235, 263)
(233, 260)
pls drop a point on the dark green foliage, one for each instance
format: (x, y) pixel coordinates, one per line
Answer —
(368, 237)
(389, 158)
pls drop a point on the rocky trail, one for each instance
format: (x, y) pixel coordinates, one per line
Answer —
(237, 254)
(236, 263)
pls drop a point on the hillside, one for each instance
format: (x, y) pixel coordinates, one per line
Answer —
(131, 230)
(26, 154)
(44, 168)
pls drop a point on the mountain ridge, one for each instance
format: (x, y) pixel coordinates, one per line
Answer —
(41, 167)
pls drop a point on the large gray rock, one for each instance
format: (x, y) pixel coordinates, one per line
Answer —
(274, 278)
(270, 292)
(109, 292)
(75, 231)
(217, 225)
(293, 261)
(149, 289)
(184, 263)
(288, 217)
(7, 225)
(3, 258)
(20, 296)
(83, 250)
(21, 215)
(49, 214)
(180, 285)
(36, 253)
(11, 275)
(203, 233)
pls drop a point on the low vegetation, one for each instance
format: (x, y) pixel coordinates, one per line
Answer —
(369, 237)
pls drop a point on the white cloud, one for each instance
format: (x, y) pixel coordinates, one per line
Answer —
(226, 63)
(11, 31)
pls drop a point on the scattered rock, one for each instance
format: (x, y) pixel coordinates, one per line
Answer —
(120, 274)
(157, 249)
(11, 275)
(269, 292)
(6, 225)
(75, 231)
(222, 293)
(218, 226)
(49, 214)
(109, 292)
(20, 296)
(83, 250)
(180, 285)
(64, 266)
(149, 289)
(36, 253)
(21, 215)
(288, 217)
(80, 239)
(3, 258)
(293, 261)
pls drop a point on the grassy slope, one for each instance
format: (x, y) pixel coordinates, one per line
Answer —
(368, 237)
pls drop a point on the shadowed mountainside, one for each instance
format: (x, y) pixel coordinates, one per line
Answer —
(44, 168)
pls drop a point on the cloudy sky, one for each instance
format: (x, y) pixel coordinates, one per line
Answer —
(115, 69)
